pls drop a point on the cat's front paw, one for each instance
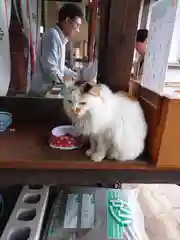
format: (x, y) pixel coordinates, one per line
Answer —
(97, 157)
(89, 152)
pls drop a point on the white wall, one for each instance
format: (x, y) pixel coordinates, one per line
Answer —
(173, 75)
(174, 56)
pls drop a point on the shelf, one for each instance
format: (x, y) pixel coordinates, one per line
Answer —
(26, 158)
(27, 148)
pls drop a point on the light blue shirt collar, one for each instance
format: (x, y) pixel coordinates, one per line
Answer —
(61, 34)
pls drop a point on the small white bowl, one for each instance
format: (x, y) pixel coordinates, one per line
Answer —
(65, 138)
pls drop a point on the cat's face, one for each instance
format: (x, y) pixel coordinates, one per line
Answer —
(81, 99)
(77, 102)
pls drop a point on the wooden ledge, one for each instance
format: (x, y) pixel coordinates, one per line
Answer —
(27, 148)
(26, 158)
(75, 165)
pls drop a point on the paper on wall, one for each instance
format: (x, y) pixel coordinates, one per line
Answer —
(159, 43)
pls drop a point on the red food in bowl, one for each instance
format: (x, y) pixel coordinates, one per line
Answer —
(66, 140)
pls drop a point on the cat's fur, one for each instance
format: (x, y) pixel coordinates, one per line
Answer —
(114, 123)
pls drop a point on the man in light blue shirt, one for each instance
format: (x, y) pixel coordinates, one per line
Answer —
(50, 59)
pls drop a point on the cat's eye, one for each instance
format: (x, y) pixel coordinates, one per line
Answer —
(82, 103)
(69, 101)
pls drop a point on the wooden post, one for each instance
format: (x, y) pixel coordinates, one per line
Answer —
(104, 10)
(94, 22)
(120, 46)
(89, 20)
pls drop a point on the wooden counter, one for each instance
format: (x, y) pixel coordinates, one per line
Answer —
(26, 158)
(27, 148)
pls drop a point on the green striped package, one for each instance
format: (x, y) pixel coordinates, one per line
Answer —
(83, 213)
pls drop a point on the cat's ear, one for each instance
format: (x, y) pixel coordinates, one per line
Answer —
(96, 90)
(86, 87)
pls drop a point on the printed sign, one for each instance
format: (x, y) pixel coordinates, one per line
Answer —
(159, 42)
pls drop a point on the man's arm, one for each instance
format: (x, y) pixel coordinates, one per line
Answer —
(69, 72)
(50, 52)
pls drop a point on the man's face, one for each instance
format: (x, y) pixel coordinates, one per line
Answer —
(72, 26)
(141, 47)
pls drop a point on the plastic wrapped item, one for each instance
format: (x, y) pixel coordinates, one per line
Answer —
(82, 213)
(89, 73)
(161, 207)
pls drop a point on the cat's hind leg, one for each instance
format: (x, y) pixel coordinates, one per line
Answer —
(110, 153)
(113, 153)
(92, 148)
(101, 149)
(116, 155)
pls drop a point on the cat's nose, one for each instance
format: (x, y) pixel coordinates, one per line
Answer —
(76, 111)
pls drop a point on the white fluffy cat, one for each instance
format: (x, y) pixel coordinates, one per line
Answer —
(114, 123)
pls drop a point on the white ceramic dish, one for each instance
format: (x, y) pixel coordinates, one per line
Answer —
(65, 138)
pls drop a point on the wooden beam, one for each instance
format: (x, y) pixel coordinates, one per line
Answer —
(89, 177)
(121, 39)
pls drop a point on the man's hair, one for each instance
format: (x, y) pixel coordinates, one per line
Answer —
(70, 11)
(142, 35)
